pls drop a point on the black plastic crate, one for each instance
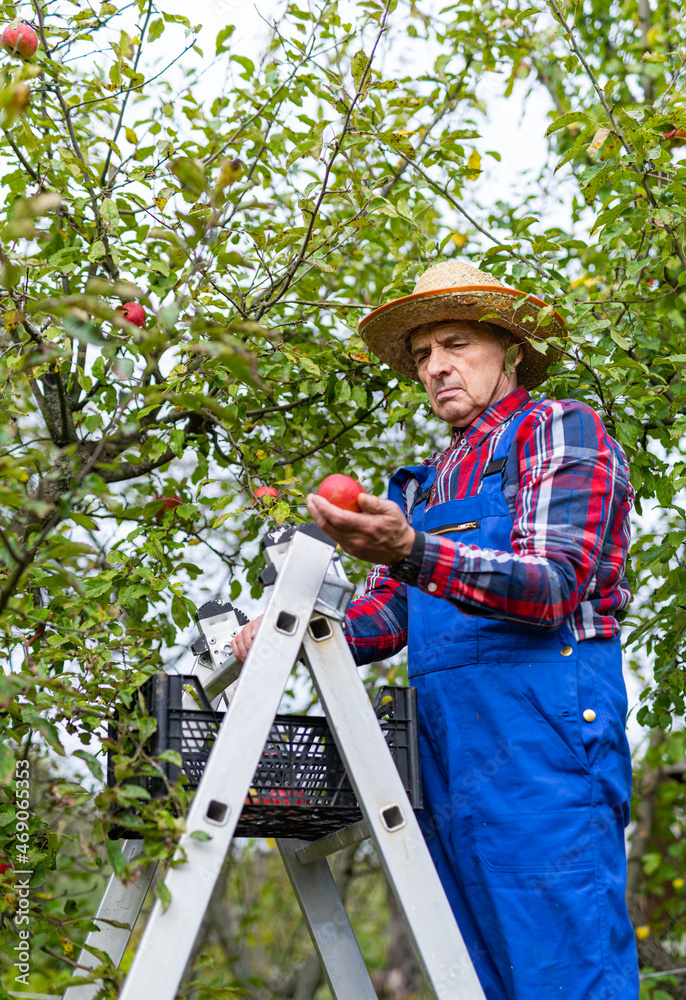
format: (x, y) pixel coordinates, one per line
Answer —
(300, 787)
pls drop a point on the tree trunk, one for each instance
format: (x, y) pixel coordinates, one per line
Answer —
(403, 977)
(650, 950)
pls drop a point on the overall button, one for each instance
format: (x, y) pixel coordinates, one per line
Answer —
(566, 650)
(432, 587)
(589, 715)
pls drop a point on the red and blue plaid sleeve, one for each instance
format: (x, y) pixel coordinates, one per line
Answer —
(570, 533)
(376, 623)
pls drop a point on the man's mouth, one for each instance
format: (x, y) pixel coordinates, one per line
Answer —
(447, 390)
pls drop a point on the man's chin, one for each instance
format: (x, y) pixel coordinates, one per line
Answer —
(456, 412)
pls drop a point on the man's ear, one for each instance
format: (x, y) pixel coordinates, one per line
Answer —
(513, 356)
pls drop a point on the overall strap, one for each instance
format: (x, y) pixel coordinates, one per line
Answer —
(502, 453)
(423, 475)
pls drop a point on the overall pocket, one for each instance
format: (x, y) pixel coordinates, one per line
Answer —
(526, 771)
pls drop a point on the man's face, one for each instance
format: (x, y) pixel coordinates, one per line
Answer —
(461, 368)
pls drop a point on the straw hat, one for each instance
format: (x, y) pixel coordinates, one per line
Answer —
(456, 290)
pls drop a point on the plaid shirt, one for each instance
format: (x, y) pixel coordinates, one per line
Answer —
(567, 487)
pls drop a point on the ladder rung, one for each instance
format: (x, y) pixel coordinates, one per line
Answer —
(321, 848)
(220, 679)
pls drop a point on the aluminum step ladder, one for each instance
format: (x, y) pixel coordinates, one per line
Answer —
(303, 620)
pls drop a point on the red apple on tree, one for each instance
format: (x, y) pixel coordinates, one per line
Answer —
(20, 41)
(170, 503)
(133, 312)
(265, 491)
(674, 135)
(342, 491)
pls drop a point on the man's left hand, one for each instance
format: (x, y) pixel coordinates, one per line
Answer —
(380, 534)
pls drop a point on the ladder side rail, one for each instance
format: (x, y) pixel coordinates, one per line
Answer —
(327, 921)
(168, 940)
(386, 808)
(120, 903)
(123, 903)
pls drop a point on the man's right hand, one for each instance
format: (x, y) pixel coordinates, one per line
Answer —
(243, 641)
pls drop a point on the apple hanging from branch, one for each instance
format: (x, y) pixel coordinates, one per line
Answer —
(170, 503)
(133, 312)
(20, 40)
(262, 492)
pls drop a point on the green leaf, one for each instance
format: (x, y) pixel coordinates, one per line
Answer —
(200, 835)
(93, 763)
(311, 146)
(97, 250)
(179, 610)
(569, 119)
(343, 391)
(156, 29)
(191, 173)
(310, 366)
(176, 19)
(116, 857)
(619, 340)
(47, 730)
(84, 520)
(109, 212)
(651, 862)
(6, 764)
(357, 67)
(247, 64)
(82, 330)
(510, 359)
(596, 182)
(164, 895)
(634, 266)
(223, 37)
(37, 875)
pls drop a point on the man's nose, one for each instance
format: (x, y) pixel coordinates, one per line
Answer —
(439, 363)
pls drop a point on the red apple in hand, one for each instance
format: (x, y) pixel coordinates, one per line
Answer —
(170, 503)
(342, 491)
(134, 312)
(265, 491)
(21, 42)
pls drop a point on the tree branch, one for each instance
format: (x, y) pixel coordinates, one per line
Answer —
(122, 110)
(460, 208)
(449, 104)
(286, 280)
(571, 40)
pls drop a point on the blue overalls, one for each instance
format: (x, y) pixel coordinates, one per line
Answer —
(525, 801)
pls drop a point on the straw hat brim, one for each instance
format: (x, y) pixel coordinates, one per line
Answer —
(385, 330)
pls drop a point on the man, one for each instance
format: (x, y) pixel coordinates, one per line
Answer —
(500, 563)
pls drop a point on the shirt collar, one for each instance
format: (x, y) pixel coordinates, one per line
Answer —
(491, 418)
